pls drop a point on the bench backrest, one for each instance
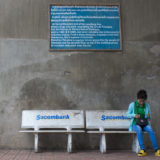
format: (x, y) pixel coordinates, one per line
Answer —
(107, 119)
(52, 119)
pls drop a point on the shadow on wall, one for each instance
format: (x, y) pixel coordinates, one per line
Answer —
(152, 37)
(39, 93)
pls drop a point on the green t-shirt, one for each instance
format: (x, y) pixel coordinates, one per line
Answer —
(139, 110)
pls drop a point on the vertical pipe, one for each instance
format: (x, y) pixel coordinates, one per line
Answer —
(36, 142)
(102, 141)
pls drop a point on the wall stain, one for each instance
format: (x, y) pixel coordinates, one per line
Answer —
(44, 94)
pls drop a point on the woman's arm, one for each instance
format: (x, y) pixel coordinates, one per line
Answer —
(148, 112)
(130, 113)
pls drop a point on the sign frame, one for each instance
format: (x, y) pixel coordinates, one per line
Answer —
(100, 50)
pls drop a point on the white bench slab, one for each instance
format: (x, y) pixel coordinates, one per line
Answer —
(53, 121)
(107, 122)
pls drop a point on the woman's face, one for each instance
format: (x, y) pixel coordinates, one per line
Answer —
(141, 102)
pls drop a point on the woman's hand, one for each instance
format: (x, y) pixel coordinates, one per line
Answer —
(137, 116)
(148, 115)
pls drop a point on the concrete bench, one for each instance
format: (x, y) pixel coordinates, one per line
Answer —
(109, 122)
(53, 121)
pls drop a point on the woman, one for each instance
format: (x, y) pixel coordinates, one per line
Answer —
(137, 110)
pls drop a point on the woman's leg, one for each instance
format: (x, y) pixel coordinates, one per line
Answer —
(138, 130)
(152, 136)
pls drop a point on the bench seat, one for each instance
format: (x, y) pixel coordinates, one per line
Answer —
(52, 121)
(101, 132)
(51, 131)
(109, 122)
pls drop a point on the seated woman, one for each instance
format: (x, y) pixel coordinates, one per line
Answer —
(139, 113)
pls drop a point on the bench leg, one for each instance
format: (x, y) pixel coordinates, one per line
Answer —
(69, 145)
(36, 142)
(103, 143)
(135, 144)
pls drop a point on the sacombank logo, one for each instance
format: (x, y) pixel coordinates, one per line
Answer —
(44, 117)
(110, 117)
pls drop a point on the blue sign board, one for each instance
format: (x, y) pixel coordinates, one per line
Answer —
(85, 28)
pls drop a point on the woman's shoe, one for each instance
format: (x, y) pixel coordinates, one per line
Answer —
(157, 153)
(142, 153)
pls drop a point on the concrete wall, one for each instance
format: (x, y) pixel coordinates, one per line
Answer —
(31, 77)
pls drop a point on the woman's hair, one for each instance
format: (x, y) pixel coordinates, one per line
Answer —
(142, 94)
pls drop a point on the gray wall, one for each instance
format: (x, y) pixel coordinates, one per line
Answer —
(31, 77)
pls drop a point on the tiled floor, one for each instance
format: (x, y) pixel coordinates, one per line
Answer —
(80, 155)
